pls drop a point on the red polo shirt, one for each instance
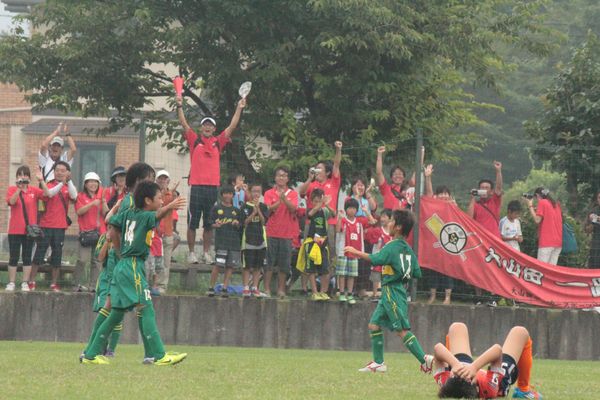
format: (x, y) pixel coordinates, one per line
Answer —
(16, 224)
(93, 218)
(550, 229)
(487, 213)
(205, 157)
(282, 223)
(55, 216)
(331, 187)
(389, 200)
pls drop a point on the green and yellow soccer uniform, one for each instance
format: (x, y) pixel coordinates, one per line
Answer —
(105, 277)
(129, 286)
(399, 266)
(127, 203)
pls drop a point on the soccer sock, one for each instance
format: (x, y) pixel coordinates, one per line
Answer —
(115, 336)
(155, 343)
(147, 352)
(377, 345)
(100, 318)
(99, 343)
(524, 367)
(413, 345)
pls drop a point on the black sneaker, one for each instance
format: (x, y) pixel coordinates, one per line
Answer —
(224, 292)
(210, 292)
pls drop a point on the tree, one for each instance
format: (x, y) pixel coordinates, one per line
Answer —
(368, 71)
(568, 134)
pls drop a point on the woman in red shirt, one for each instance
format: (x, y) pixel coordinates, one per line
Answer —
(91, 207)
(22, 197)
(548, 217)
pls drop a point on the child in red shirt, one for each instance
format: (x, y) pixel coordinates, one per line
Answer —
(346, 268)
(378, 236)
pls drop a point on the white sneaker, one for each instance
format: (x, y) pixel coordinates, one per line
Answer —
(374, 367)
(24, 287)
(208, 258)
(10, 287)
(148, 361)
(191, 258)
(428, 365)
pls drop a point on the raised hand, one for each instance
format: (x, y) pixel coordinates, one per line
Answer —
(381, 150)
(338, 144)
(178, 203)
(497, 165)
(428, 170)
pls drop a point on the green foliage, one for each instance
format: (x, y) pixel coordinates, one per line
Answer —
(367, 71)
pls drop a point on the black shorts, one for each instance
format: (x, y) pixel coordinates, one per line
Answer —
(53, 238)
(279, 254)
(202, 200)
(19, 245)
(510, 371)
(254, 258)
(464, 358)
(311, 268)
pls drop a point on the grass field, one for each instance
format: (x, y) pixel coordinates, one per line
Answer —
(40, 370)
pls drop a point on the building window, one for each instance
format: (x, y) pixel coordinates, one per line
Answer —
(93, 157)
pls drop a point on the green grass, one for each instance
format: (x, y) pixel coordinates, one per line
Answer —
(43, 370)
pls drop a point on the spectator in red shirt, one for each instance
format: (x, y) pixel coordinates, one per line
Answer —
(205, 174)
(548, 217)
(393, 194)
(484, 206)
(282, 228)
(326, 176)
(91, 208)
(163, 179)
(22, 200)
(54, 222)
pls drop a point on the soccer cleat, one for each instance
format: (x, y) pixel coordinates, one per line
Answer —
(342, 298)
(171, 358)
(31, 285)
(351, 299)
(191, 258)
(246, 293)
(374, 367)
(98, 360)
(148, 361)
(54, 287)
(531, 394)
(208, 258)
(324, 296)
(10, 287)
(109, 353)
(24, 287)
(210, 292)
(427, 366)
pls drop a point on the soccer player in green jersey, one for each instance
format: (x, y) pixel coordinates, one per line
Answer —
(129, 288)
(399, 266)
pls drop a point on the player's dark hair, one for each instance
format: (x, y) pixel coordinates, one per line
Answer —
(404, 219)
(283, 169)
(226, 189)
(328, 167)
(138, 172)
(63, 163)
(387, 212)
(231, 180)
(514, 206)
(143, 190)
(457, 388)
(351, 203)
(545, 194)
(316, 193)
(442, 189)
(485, 181)
(23, 170)
(395, 168)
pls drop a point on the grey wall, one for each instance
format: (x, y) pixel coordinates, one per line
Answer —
(560, 334)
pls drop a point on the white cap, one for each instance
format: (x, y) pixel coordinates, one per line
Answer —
(57, 139)
(162, 172)
(91, 176)
(208, 119)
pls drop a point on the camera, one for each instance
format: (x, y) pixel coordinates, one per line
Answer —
(528, 196)
(314, 170)
(23, 182)
(479, 192)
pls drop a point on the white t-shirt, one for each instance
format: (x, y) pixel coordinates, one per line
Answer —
(511, 229)
(46, 164)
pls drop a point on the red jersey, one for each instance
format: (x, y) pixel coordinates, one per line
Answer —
(378, 238)
(282, 223)
(331, 187)
(92, 219)
(16, 223)
(353, 235)
(488, 381)
(205, 155)
(390, 195)
(166, 224)
(550, 229)
(156, 247)
(110, 191)
(55, 215)
(487, 213)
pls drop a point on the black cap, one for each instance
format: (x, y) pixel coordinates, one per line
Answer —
(117, 171)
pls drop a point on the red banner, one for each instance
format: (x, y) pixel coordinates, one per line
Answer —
(452, 243)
